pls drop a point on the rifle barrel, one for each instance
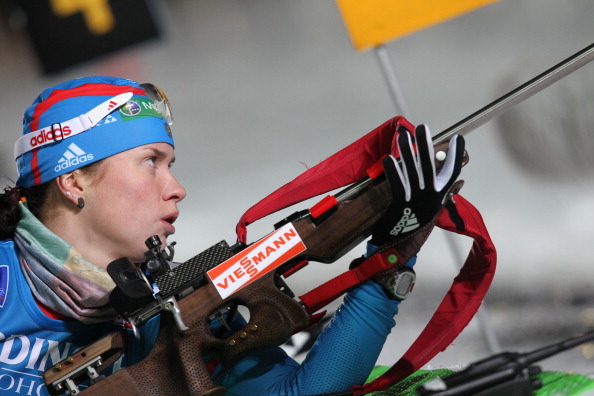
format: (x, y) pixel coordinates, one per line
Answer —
(519, 94)
(497, 107)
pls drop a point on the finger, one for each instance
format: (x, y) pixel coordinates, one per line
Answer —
(426, 156)
(453, 164)
(398, 180)
(408, 159)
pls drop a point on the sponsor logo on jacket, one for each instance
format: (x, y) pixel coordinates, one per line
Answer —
(23, 361)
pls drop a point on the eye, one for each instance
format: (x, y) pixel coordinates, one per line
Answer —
(151, 161)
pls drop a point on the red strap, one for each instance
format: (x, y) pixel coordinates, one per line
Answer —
(459, 304)
(341, 169)
(329, 291)
(470, 286)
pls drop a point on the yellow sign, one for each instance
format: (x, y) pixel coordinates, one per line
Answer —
(97, 14)
(373, 22)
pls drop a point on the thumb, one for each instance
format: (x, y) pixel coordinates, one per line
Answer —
(453, 164)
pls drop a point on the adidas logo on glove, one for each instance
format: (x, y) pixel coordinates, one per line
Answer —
(408, 222)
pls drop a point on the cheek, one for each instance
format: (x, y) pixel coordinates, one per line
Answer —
(122, 198)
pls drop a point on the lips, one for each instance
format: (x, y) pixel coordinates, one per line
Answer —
(168, 221)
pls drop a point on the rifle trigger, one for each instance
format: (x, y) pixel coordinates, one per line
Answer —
(221, 318)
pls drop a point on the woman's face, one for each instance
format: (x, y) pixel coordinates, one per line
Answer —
(133, 196)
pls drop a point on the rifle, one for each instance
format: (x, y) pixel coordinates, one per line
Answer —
(195, 299)
(188, 291)
(504, 374)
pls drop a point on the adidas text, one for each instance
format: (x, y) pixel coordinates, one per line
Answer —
(72, 157)
(407, 222)
(50, 134)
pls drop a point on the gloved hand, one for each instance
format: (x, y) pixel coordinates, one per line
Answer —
(418, 192)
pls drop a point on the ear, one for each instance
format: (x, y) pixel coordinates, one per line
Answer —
(70, 186)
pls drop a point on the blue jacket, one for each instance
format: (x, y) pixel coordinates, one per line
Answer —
(344, 354)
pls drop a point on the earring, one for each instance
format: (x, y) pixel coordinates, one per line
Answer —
(81, 203)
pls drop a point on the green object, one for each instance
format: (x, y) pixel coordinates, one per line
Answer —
(553, 383)
(564, 384)
(407, 386)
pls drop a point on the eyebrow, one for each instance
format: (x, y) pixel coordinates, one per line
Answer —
(160, 153)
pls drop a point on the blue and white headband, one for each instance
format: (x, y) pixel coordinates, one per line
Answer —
(86, 120)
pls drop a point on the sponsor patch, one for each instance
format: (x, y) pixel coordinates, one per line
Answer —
(139, 107)
(3, 284)
(256, 260)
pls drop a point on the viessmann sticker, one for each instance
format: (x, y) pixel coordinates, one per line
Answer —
(256, 260)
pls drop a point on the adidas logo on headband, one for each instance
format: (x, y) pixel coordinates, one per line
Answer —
(71, 157)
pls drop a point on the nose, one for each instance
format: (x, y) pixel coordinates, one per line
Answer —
(174, 190)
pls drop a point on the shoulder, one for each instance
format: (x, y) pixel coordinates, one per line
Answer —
(16, 298)
(8, 260)
(6, 244)
(7, 250)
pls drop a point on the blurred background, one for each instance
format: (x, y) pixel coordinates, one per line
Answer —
(264, 89)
